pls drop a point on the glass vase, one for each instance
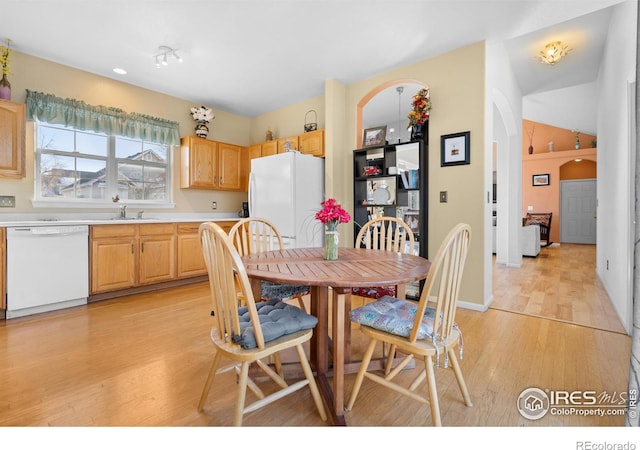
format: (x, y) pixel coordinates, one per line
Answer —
(331, 241)
(202, 130)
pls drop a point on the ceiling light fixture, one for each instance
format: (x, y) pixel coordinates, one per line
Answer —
(161, 57)
(553, 52)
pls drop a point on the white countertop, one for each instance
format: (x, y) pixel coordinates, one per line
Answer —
(46, 219)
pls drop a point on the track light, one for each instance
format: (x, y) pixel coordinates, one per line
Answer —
(161, 57)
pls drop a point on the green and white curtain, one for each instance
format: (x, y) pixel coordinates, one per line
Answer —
(101, 119)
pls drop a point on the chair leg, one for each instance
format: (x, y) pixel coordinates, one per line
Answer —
(242, 393)
(207, 385)
(301, 303)
(459, 378)
(363, 368)
(433, 393)
(315, 393)
(390, 357)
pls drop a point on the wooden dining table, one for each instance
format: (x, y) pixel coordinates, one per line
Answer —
(354, 267)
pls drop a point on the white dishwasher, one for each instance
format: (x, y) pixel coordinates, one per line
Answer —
(47, 268)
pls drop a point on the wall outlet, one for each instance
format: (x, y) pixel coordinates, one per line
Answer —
(529, 208)
(7, 201)
(214, 205)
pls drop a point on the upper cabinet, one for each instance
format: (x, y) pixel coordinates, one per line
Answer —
(312, 143)
(206, 164)
(12, 136)
(291, 142)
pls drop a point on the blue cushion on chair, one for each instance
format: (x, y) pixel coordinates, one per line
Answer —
(277, 319)
(394, 316)
(270, 290)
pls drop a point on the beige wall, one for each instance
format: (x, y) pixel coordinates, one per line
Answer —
(40, 75)
(288, 121)
(456, 81)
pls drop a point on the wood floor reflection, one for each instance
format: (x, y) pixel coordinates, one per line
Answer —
(559, 284)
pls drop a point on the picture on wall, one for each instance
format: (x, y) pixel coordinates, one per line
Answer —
(540, 179)
(455, 149)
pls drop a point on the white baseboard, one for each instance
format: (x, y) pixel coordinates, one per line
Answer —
(472, 306)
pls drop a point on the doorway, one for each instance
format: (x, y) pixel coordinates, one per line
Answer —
(578, 211)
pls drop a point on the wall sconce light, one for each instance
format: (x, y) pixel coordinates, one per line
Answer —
(161, 57)
(553, 52)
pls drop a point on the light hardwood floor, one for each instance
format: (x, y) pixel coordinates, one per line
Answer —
(561, 284)
(142, 361)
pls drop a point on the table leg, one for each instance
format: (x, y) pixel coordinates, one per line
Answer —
(338, 315)
(320, 350)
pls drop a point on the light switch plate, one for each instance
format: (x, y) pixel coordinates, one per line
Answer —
(7, 201)
(444, 195)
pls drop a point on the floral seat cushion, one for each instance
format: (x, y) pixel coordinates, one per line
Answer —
(375, 292)
(277, 319)
(395, 316)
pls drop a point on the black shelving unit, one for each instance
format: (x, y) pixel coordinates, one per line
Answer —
(379, 160)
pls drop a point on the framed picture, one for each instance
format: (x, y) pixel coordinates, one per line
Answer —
(412, 218)
(455, 149)
(374, 137)
(540, 179)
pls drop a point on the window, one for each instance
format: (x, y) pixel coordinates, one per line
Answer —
(85, 166)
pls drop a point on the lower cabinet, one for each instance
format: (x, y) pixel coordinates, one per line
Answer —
(113, 257)
(190, 259)
(157, 257)
(126, 256)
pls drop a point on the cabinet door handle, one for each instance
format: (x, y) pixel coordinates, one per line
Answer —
(132, 249)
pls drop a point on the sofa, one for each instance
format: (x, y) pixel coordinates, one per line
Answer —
(530, 240)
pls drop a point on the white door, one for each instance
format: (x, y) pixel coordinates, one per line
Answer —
(578, 211)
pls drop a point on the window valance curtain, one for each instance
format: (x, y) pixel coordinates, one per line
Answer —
(102, 119)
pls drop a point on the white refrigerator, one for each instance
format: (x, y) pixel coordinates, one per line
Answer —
(287, 189)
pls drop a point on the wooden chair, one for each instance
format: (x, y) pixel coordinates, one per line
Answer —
(248, 334)
(543, 220)
(390, 234)
(421, 331)
(254, 235)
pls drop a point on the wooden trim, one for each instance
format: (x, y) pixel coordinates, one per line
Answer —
(146, 288)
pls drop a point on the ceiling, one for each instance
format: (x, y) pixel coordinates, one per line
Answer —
(250, 57)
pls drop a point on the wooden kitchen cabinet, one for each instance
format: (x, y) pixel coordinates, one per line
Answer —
(206, 164)
(190, 259)
(198, 163)
(12, 138)
(293, 144)
(230, 167)
(269, 148)
(113, 257)
(128, 256)
(312, 143)
(157, 257)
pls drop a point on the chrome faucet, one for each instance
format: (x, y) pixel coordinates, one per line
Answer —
(140, 214)
(123, 211)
